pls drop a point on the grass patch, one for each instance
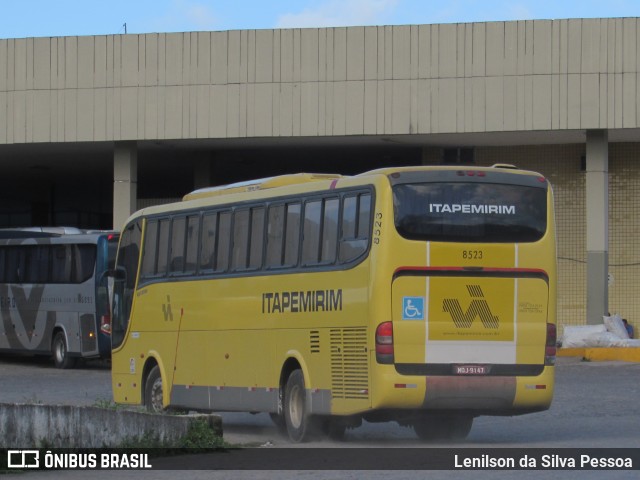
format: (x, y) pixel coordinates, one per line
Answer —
(107, 404)
(200, 437)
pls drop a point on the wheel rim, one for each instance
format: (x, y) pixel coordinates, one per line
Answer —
(60, 350)
(296, 407)
(156, 395)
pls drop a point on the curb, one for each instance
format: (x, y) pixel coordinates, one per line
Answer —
(630, 354)
(66, 426)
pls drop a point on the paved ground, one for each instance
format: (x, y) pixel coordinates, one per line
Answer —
(596, 404)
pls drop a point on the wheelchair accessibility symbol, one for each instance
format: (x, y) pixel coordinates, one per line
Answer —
(412, 308)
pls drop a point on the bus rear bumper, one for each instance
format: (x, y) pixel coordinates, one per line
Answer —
(489, 395)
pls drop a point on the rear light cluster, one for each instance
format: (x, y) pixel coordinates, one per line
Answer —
(550, 348)
(470, 173)
(384, 343)
(105, 324)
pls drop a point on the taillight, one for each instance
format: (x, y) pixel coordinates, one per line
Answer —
(550, 347)
(384, 343)
(105, 324)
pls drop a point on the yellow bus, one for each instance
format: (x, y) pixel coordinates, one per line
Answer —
(422, 295)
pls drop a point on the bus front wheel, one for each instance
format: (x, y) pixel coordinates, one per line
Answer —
(61, 357)
(153, 391)
(297, 418)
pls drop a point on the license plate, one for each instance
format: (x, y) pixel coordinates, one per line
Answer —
(471, 370)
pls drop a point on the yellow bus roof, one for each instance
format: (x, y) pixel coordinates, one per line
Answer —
(260, 184)
(300, 182)
(303, 178)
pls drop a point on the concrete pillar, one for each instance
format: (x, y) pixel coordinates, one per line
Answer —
(125, 182)
(597, 225)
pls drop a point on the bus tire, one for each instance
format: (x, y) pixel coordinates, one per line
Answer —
(61, 357)
(299, 422)
(460, 427)
(153, 391)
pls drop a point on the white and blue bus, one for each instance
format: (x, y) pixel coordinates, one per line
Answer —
(51, 302)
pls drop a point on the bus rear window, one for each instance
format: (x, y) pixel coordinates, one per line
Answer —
(470, 212)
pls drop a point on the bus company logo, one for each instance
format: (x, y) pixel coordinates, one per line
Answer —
(166, 310)
(472, 209)
(23, 459)
(478, 307)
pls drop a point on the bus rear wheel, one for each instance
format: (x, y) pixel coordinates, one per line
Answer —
(153, 391)
(61, 357)
(300, 424)
(443, 427)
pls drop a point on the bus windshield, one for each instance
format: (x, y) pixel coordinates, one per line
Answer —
(470, 212)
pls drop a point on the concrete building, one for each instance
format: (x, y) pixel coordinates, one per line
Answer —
(92, 128)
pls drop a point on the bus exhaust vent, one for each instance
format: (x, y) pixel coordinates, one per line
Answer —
(349, 363)
(314, 341)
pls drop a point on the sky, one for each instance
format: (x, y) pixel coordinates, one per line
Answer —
(49, 18)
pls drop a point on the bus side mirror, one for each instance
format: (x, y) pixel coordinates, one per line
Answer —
(108, 280)
(118, 274)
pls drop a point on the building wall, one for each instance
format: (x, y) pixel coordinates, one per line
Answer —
(474, 77)
(562, 165)
(624, 224)
(498, 77)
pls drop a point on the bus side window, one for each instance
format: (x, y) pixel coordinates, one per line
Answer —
(330, 230)
(364, 216)
(193, 234)
(150, 249)
(214, 246)
(85, 256)
(349, 216)
(256, 240)
(163, 246)
(275, 236)
(208, 242)
(156, 248)
(43, 263)
(356, 213)
(61, 264)
(240, 239)
(12, 264)
(311, 232)
(248, 238)
(224, 241)
(178, 232)
(31, 264)
(292, 234)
